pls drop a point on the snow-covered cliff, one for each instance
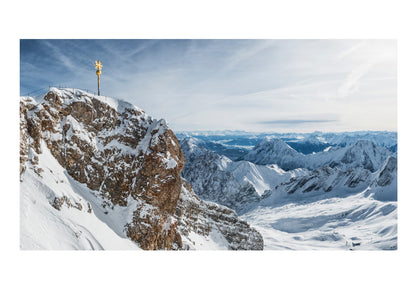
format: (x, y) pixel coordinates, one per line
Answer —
(93, 165)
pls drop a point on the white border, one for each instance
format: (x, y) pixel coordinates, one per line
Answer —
(206, 19)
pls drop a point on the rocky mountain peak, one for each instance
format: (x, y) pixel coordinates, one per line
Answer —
(125, 157)
(366, 154)
(388, 172)
(115, 149)
(275, 151)
(276, 144)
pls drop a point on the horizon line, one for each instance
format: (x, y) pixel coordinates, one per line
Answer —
(260, 132)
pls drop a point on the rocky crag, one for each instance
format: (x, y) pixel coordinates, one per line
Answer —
(127, 159)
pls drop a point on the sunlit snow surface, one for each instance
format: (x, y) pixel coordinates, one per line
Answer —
(343, 219)
(343, 198)
(355, 222)
(42, 227)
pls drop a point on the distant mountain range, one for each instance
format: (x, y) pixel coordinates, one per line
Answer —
(235, 144)
(99, 173)
(273, 175)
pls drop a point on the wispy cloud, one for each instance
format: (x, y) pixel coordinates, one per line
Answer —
(245, 53)
(295, 121)
(352, 49)
(231, 84)
(350, 84)
(61, 57)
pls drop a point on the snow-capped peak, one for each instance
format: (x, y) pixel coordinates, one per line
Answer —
(119, 168)
(275, 151)
(69, 95)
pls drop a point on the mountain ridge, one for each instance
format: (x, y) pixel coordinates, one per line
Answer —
(347, 200)
(363, 153)
(123, 161)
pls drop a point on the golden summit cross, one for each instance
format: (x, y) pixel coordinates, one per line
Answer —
(98, 66)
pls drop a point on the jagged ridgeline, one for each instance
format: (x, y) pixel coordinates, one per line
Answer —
(87, 157)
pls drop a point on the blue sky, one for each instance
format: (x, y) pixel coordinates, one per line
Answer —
(253, 85)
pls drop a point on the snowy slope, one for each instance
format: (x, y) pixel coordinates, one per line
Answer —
(348, 201)
(331, 208)
(276, 151)
(84, 226)
(210, 226)
(353, 222)
(82, 223)
(208, 174)
(98, 173)
(236, 184)
(219, 179)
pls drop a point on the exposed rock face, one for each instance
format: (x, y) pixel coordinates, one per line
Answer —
(243, 186)
(382, 184)
(206, 218)
(388, 172)
(116, 150)
(276, 151)
(326, 179)
(206, 171)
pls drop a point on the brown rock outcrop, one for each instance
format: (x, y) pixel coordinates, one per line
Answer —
(114, 148)
(128, 160)
(205, 218)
